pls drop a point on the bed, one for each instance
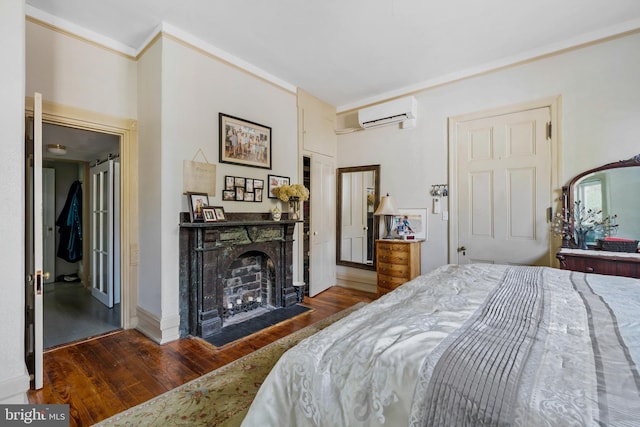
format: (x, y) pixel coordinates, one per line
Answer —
(478, 344)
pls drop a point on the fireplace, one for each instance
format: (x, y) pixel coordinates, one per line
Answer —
(248, 288)
(229, 269)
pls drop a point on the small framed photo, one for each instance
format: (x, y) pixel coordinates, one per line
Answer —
(228, 195)
(258, 183)
(239, 194)
(209, 214)
(248, 197)
(197, 201)
(239, 181)
(411, 224)
(243, 142)
(220, 215)
(276, 181)
(229, 182)
(248, 186)
(258, 194)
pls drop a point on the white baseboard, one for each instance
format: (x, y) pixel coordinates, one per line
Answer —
(14, 390)
(160, 331)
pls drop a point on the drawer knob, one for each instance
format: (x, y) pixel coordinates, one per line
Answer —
(589, 270)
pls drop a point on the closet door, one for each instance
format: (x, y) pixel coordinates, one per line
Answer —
(322, 269)
(102, 230)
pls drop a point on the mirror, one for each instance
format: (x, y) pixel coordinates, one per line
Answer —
(612, 189)
(358, 195)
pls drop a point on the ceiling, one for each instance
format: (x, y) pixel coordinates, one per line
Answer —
(354, 52)
(81, 145)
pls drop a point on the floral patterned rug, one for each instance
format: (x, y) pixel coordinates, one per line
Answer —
(221, 397)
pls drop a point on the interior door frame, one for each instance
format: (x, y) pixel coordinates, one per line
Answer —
(554, 103)
(126, 130)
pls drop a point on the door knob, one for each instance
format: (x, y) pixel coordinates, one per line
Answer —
(46, 275)
(463, 250)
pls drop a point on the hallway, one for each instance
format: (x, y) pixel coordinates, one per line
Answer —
(72, 314)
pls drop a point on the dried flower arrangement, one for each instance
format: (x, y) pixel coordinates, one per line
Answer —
(584, 221)
(295, 191)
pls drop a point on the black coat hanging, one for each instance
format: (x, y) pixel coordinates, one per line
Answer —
(70, 225)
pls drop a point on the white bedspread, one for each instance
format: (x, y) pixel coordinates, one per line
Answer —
(372, 367)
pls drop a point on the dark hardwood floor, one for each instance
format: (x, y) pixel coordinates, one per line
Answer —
(106, 375)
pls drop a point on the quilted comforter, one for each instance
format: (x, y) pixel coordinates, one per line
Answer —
(469, 345)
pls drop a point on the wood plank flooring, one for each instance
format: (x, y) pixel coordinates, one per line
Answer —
(106, 375)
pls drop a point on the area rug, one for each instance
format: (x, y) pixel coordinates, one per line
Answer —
(221, 397)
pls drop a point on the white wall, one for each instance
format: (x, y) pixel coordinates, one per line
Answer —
(14, 380)
(181, 92)
(194, 88)
(150, 176)
(69, 71)
(599, 113)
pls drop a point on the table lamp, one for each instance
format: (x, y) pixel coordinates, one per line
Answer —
(387, 209)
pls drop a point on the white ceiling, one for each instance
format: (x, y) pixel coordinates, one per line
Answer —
(354, 52)
(80, 144)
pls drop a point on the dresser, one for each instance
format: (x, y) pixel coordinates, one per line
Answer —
(397, 262)
(600, 262)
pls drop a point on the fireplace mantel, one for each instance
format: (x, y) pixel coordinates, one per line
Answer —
(207, 250)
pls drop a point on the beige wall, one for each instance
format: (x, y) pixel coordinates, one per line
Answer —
(75, 73)
(182, 90)
(599, 113)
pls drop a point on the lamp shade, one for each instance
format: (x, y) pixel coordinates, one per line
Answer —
(387, 206)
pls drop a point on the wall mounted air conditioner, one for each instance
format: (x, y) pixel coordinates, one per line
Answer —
(396, 111)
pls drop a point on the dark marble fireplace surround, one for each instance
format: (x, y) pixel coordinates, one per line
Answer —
(207, 252)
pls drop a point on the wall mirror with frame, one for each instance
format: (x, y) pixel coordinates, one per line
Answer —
(612, 189)
(358, 194)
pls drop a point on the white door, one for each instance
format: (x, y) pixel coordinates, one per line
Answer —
(504, 189)
(353, 244)
(102, 231)
(33, 235)
(322, 262)
(49, 223)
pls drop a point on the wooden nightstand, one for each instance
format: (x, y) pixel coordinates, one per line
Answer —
(397, 262)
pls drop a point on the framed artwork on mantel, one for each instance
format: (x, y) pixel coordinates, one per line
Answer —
(244, 143)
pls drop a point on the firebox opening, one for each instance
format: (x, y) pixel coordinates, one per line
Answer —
(248, 288)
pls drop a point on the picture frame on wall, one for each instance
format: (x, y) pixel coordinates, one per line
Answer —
(243, 142)
(197, 201)
(242, 189)
(275, 181)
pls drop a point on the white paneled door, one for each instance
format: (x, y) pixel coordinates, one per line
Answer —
(35, 275)
(104, 227)
(504, 189)
(322, 268)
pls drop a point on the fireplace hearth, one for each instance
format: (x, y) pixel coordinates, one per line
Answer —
(228, 269)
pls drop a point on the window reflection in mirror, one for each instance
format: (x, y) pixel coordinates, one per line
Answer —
(615, 191)
(357, 198)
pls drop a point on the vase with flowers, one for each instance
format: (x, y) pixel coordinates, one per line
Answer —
(292, 194)
(586, 222)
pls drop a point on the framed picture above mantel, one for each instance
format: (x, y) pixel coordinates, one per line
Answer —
(243, 142)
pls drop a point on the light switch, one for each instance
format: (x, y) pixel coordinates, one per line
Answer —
(445, 215)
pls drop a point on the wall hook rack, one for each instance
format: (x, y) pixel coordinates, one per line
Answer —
(439, 190)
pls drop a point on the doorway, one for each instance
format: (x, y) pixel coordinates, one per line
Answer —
(70, 311)
(503, 174)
